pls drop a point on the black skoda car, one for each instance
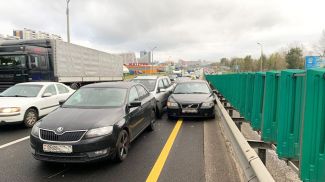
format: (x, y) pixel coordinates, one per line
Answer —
(193, 98)
(98, 121)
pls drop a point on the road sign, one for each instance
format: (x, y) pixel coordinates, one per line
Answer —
(314, 62)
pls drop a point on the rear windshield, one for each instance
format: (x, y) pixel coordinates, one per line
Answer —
(150, 84)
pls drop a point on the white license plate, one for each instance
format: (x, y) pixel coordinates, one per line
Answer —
(57, 148)
(190, 110)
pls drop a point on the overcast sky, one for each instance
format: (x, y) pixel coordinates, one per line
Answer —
(181, 29)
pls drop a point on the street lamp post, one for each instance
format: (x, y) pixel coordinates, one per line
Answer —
(152, 53)
(261, 66)
(151, 57)
(68, 22)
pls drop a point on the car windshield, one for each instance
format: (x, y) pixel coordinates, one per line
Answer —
(23, 90)
(149, 83)
(192, 88)
(97, 97)
(13, 60)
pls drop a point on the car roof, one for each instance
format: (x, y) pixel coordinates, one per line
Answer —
(119, 84)
(146, 77)
(37, 83)
(193, 81)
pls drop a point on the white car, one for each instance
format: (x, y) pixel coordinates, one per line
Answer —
(160, 87)
(27, 102)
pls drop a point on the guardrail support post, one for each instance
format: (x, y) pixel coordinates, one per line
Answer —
(262, 155)
(231, 112)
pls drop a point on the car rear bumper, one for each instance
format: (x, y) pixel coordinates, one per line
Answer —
(83, 151)
(177, 112)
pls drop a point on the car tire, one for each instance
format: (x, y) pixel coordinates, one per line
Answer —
(152, 125)
(122, 146)
(30, 117)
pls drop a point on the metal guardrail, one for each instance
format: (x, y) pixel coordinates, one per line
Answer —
(250, 163)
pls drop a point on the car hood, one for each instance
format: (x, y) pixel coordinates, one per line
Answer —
(81, 119)
(191, 98)
(15, 101)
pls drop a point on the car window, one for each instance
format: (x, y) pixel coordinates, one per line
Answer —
(192, 88)
(133, 94)
(62, 89)
(166, 84)
(97, 97)
(50, 89)
(161, 84)
(142, 91)
(22, 90)
(150, 84)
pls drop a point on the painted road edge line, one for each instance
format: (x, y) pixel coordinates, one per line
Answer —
(157, 168)
(13, 142)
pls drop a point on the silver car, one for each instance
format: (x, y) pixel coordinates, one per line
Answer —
(160, 86)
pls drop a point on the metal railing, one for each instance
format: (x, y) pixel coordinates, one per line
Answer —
(251, 164)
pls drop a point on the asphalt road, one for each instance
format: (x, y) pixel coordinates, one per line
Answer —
(185, 162)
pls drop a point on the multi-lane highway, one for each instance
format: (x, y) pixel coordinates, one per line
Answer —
(189, 150)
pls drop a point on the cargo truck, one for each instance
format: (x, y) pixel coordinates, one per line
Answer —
(55, 60)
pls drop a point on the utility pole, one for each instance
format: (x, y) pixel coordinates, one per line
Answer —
(152, 53)
(68, 22)
(261, 67)
(151, 57)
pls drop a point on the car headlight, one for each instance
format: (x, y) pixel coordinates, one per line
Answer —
(35, 129)
(9, 109)
(207, 104)
(172, 104)
(99, 132)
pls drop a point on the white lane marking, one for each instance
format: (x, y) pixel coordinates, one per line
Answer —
(13, 142)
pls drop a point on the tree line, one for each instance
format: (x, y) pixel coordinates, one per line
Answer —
(293, 59)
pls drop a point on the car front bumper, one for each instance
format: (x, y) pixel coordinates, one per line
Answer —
(11, 118)
(87, 150)
(202, 112)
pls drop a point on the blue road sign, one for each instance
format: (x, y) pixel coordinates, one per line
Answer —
(314, 62)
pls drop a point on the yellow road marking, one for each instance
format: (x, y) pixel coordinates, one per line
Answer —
(157, 168)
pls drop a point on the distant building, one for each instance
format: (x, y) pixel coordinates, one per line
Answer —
(128, 58)
(29, 34)
(145, 57)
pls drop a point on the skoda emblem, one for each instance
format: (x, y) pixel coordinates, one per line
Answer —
(59, 129)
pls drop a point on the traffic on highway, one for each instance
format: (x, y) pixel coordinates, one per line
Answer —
(49, 131)
(168, 91)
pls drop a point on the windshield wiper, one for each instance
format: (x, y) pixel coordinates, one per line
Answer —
(200, 93)
(180, 93)
(15, 96)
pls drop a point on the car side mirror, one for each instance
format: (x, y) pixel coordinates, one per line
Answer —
(47, 94)
(161, 90)
(61, 102)
(135, 104)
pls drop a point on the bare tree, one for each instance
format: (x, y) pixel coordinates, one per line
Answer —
(320, 47)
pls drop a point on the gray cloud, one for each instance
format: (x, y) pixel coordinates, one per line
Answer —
(187, 29)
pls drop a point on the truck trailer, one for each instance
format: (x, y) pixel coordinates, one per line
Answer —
(55, 60)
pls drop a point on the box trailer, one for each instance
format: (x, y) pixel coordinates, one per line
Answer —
(55, 60)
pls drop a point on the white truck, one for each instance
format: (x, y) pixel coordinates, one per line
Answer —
(55, 60)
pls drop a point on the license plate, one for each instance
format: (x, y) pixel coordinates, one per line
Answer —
(57, 148)
(189, 110)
